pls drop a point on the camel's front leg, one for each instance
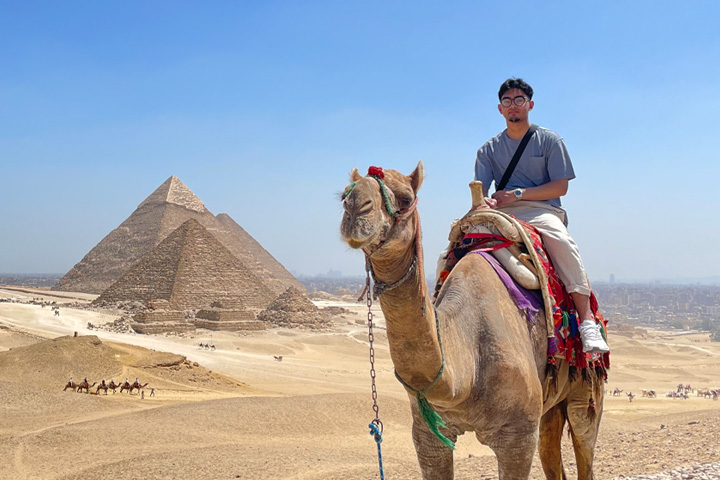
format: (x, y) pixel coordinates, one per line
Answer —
(514, 451)
(436, 459)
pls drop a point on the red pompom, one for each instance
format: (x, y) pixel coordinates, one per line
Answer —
(376, 172)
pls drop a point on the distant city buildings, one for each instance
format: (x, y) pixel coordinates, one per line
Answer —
(675, 306)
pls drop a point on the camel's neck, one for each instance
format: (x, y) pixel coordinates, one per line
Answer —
(410, 318)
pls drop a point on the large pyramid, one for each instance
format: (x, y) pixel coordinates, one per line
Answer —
(190, 269)
(168, 207)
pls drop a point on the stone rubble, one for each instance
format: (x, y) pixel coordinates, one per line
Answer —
(696, 471)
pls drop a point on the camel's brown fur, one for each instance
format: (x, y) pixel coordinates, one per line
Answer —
(494, 382)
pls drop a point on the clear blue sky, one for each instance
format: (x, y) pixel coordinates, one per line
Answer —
(263, 108)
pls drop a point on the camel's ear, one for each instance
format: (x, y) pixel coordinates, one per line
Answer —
(354, 175)
(417, 176)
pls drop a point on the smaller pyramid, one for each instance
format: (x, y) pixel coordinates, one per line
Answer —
(161, 321)
(190, 270)
(292, 309)
(229, 317)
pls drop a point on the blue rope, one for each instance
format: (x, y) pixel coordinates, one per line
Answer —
(375, 432)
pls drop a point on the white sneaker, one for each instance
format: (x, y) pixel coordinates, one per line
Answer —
(591, 337)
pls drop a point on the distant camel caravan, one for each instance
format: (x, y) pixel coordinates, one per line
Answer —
(449, 354)
(206, 346)
(85, 385)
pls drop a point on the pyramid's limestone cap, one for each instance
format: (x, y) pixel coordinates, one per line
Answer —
(176, 192)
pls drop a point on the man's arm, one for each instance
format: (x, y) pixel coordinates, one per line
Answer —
(553, 189)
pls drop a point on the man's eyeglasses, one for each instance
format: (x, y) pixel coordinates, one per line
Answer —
(519, 101)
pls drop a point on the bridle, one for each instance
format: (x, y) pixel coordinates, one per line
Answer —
(400, 215)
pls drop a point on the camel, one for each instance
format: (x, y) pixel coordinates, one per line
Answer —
(278, 358)
(71, 385)
(84, 385)
(126, 386)
(452, 355)
(137, 386)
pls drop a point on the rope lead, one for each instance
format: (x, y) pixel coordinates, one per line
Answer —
(377, 435)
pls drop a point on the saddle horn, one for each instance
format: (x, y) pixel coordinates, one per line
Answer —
(478, 198)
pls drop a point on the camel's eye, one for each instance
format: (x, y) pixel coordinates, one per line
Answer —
(404, 201)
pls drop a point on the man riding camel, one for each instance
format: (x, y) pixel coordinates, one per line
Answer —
(532, 194)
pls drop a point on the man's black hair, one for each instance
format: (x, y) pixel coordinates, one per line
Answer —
(519, 83)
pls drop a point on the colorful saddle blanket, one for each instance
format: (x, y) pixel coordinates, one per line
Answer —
(566, 343)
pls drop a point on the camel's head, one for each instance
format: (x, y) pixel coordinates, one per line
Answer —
(378, 209)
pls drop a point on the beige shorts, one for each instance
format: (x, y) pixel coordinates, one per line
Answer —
(561, 247)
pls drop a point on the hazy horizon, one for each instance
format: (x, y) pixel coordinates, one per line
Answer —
(680, 281)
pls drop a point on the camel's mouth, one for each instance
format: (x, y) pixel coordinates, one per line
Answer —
(355, 244)
(362, 239)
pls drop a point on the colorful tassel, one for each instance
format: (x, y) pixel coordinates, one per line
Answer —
(433, 420)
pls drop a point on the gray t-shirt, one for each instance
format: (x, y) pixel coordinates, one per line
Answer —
(545, 159)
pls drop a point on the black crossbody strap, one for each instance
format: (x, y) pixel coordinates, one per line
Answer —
(516, 158)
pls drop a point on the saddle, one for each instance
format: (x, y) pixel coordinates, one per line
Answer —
(517, 246)
(505, 238)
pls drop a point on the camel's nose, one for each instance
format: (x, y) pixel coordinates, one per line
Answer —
(353, 207)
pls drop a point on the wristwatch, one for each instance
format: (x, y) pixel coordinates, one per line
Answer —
(518, 192)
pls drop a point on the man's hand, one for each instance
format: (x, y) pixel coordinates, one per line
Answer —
(504, 197)
(489, 203)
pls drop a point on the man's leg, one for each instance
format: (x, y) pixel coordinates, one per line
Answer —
(566, 259)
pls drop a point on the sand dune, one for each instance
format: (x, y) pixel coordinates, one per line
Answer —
(239, 413)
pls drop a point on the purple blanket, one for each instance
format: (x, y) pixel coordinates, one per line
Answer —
(528, 301)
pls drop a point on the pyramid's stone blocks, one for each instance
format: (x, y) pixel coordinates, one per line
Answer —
(230, 326)
(162, 327)
(225, 315)
(155, 316)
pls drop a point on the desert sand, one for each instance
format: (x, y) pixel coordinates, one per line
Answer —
(237, 412)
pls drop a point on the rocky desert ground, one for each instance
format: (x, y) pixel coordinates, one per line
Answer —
(239, 413)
